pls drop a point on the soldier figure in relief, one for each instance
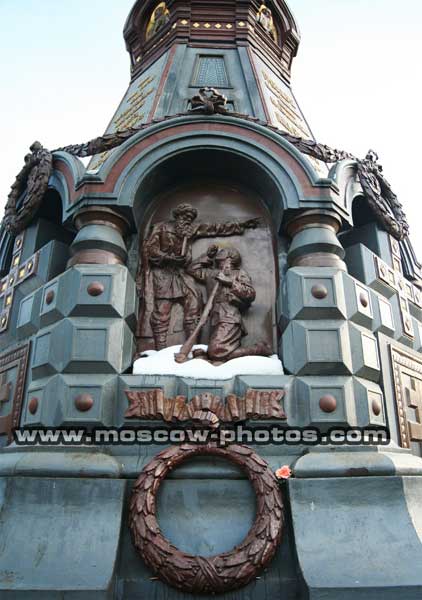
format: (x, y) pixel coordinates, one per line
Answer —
(220, 270)
(166, 255)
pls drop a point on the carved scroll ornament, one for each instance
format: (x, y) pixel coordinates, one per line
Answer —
(198, 574)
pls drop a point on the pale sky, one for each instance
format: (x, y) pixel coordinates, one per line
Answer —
(64, 69)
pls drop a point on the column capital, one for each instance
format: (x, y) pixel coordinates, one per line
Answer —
(100, 238)
(314, 240)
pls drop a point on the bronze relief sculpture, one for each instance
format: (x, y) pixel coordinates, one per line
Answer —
(164, 278)
(209, 101)
(230, 293)
(255, 405)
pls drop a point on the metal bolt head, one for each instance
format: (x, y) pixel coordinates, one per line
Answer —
(84, 402)
(319, 291)
(364, 300)
(96, 288)
(328, 403)
(33, 405)
(376, 407)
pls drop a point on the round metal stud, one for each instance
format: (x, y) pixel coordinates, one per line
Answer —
(363, 299)
(33, 405)
(328, 403)
(95, 289)
(376, 407)
(84, 402)
(49, 297)
(319, 291)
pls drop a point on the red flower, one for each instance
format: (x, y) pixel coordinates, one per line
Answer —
(284, 472)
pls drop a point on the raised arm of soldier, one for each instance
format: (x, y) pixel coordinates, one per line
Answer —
(227, 229)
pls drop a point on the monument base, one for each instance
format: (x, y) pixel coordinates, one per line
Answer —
(64, 534)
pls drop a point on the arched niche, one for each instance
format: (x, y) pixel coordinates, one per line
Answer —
(222, 189)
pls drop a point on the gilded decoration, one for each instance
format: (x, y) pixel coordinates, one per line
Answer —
(159, 18)
(265, 18)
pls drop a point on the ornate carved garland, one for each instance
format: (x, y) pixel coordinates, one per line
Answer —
(197, 574)
(256, 404)
(381, 197)
(33, 178)
(36, 172)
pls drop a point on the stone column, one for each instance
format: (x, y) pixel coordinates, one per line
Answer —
(314, 240)
(330, 347)
(100, 238)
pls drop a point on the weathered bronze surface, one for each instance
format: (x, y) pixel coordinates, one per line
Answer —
(13, 367)
(226, 202)
(32, 179)
(84, 402)
(376, 407)
(381, 197)
(378, 191)
(198, 574)
(5, 389)
(230, 293)
(319, 291)
(328, 403)
(34, 176)
(256, 405)
(96, 288)
(33, 405)
(163, 277)
(209, 101)
(50, 297)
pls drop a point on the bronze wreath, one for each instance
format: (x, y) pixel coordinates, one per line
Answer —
(36, 172)
(33, 178)
(381, 198)
(224, 572)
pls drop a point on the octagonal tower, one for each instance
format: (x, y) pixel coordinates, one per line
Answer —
(244, 49)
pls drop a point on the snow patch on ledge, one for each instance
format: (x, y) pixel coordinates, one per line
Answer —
(163, 363)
